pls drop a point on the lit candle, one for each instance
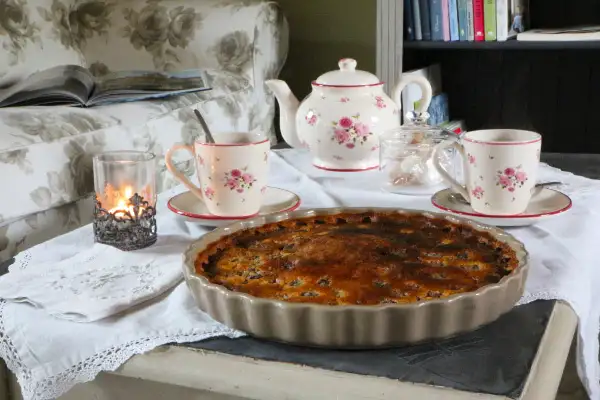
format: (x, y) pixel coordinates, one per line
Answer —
(123, 205)
(124, 214)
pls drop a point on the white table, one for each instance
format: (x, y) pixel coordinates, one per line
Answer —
(190, 373)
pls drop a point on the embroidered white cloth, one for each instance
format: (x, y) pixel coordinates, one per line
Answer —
(49, 355)
(96, 283)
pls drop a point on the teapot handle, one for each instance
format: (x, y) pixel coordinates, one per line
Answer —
(423, 83)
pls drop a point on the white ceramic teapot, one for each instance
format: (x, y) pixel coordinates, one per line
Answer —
(341, 119)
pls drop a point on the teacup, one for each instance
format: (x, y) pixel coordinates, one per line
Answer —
(500, 169)
(232, 173)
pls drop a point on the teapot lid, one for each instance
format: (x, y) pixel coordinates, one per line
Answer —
(347, 76)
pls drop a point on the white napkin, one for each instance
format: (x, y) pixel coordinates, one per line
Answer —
(95, 283)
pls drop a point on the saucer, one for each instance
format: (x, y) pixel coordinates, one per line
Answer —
(544, 204)
(193, 210)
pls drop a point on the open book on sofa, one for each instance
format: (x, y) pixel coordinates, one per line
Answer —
(75, 85)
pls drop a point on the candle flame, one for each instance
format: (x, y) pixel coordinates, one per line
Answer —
(120, 201)
(123, 202)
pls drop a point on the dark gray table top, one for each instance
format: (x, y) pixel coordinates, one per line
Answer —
(495, 359)
(587, 165)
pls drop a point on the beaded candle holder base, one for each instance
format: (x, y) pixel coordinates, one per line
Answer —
(130, 229)
(125, 211)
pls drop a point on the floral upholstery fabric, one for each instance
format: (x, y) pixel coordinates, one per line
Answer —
(36, 228)
(46, 152)
(28, 42)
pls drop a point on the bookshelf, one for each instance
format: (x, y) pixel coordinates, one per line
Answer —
(507, 45)
(550, 87)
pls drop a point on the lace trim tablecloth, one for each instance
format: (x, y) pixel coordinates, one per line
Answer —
(49, 356)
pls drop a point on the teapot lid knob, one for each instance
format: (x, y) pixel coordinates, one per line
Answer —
(347, 64)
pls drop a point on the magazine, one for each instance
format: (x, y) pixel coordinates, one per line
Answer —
(75, 85)
(574, 34)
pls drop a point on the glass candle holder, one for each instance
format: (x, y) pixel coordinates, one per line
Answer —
(124, 211)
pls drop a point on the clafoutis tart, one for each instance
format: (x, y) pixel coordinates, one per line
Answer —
(356, 277)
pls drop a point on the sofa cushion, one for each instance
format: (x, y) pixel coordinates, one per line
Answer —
(180, 34)
(34, 35)
(24, 232)
(46, 152)
(244, 37)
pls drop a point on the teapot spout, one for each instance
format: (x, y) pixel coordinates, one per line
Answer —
(288, 106)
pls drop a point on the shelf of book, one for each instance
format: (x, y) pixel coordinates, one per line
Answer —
(506, 45)
(532, 85)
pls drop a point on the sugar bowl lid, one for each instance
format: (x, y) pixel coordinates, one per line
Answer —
(347, 76)
(418, 121)
(417, 131)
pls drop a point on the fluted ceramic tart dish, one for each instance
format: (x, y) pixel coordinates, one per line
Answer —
(356, 278)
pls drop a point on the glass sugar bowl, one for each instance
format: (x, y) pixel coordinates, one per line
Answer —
(405, 156)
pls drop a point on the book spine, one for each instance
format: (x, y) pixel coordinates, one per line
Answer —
(478, 27)
(462, 20)
(489, 18)
(425, 19)
(435, 13)
(446, 20)
(453, 14)
(470, 30)
(417, 19)
(409, 20)
(502, 11)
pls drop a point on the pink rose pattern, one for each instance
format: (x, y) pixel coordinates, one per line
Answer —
(477, 192)
(209, 192)
(511, 178)
(349, 131)
(345, 99)
(379, 102)
(471, 158)
(239, 180)
(311, 118)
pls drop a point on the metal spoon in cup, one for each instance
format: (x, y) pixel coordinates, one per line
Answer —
(209, 136)
(458, 197)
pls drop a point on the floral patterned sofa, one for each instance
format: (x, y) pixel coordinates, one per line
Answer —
(45, 152)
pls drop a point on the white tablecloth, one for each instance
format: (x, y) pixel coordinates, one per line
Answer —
(49, 355)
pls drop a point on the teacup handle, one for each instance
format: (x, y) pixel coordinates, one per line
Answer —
(454, 184)
(178, 174)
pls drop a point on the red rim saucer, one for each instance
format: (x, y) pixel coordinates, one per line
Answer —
(189, 206)
(545, 203)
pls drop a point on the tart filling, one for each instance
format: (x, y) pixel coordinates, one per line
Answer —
(357, 259)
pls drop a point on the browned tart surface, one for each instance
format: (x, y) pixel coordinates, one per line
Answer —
(370, 258)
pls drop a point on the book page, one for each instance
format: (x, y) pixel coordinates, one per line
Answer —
(65, 84)
(145, 82)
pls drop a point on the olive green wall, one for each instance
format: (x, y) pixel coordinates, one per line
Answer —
(324, 31)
